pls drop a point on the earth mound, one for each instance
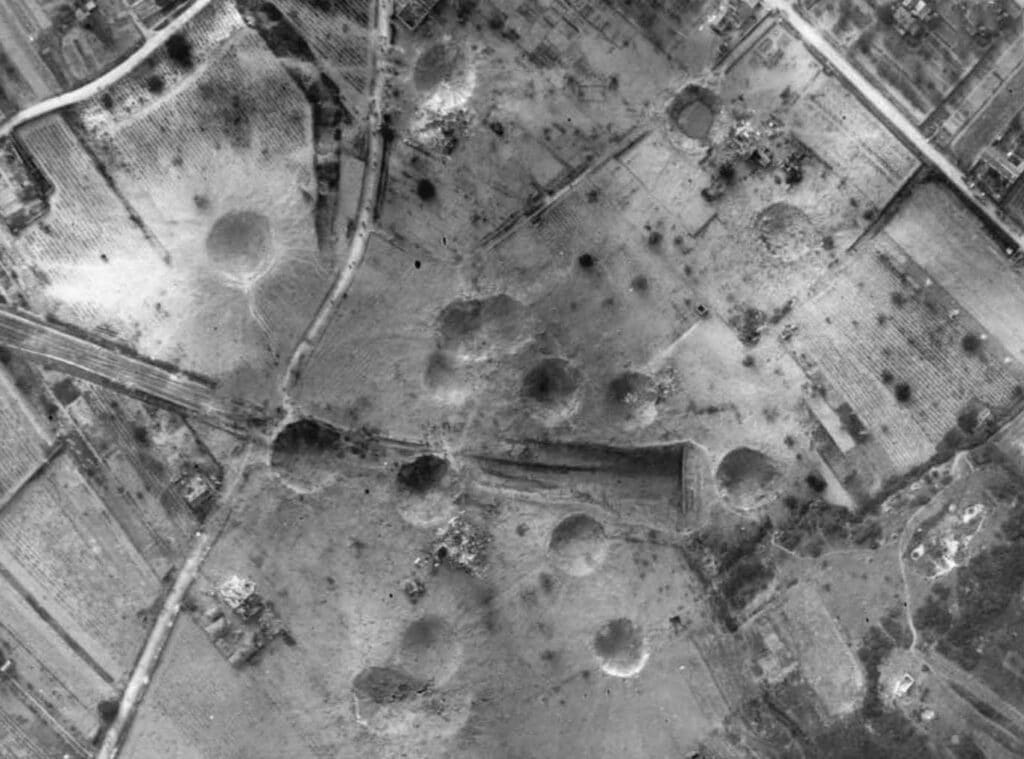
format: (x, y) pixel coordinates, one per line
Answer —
(634, 396)
(632, 389)
(551, 380)
(469, 324)
(787, 231)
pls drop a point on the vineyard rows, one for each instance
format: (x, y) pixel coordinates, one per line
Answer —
(88, 227)
(22, 441)
(341, 48)
(849, 139)
(61, 543)
(131, 96)
(244, 89)
(855, 333)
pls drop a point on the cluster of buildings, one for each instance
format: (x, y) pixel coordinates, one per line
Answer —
(999, 172)
(910, 16)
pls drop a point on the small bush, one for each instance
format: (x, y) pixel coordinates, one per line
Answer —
(970, 342)
(902, 392)
(179, 50)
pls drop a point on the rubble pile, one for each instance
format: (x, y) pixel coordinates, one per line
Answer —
(243, 623)
(461, 544)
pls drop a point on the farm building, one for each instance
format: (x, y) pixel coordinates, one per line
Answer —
(412, 13)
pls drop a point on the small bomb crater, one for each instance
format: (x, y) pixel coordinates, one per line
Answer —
(632, 389)
(620, 647)
(239, 242)
(440, 370)
(460, 319)
(306, 436)
(430, 649)
(551, 380)
(437, 64)
(693, 111)
(476, 324)
(387, 685)
(578, 545)
(422, 474)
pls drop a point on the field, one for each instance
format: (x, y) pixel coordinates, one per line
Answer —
(339, 41)
(681, 33)
(385, 330)
(48, 666)
(200, 706)
(917, 61)
(212, 267)
(845, 135)
(239, 251)
(513, 660)
(547, 93)
(810, 635)
(882, 324)
(588, 458)
(26, 78)
(26, 735)
(59, 542)
(97, 358)
(991, 108)
(86, 221)
(858, 587)
(631, 238)
(768, 232)
(775, 74)
(945, 239)
(22, 439)
(140, 461)
(530, 305)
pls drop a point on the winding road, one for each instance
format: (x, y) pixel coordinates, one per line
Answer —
(373, 171)
(148, 661)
